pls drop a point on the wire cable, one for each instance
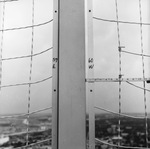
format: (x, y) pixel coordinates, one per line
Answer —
(26, 56)
(33, 144)
(25, 114)
(138, 86)
(121, 114)
(124, 22)
(143, 66)
(25, 27)
(22, 84)
(120, 146)
(135, 53)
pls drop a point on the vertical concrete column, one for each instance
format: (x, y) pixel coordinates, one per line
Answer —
(69, 93)
(90, 72)
(55, 79)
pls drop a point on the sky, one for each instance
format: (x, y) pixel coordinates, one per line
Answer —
(106, 54)
(18, 43)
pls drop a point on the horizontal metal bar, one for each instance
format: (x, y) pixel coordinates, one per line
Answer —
(91, 80)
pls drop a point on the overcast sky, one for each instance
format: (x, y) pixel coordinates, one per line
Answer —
(18, 43)
(106, 53)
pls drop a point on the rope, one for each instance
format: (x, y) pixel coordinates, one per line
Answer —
(120, 146)
(119, 47)
(124, 22)
(25, 27)
(143, 66)
(121, 114)
(26, 56)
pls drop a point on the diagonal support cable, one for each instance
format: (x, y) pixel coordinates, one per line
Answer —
(116, 113)
(120, 146)
(22, 84)
(137, 54)
(119, 21)
(24, 115)
(26, 56)
(26, 27)
(33, 144)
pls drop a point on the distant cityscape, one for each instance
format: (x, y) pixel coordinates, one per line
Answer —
(13, 132)
(132, 131)
(132, 134)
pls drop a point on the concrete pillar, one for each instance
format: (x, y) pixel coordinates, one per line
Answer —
(69, 93)
(90, 72)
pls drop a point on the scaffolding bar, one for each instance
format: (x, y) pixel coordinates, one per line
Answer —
(117, 79)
